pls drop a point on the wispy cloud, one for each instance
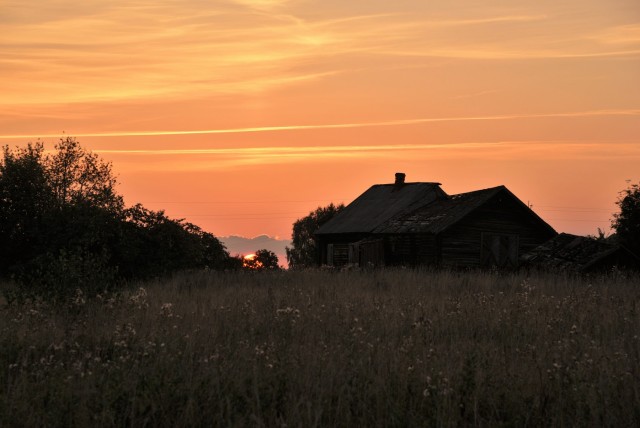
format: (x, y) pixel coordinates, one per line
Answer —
(262, 4)
(619, 35)
(230, 158)
(114, 50)
(171, 49)
(400, 122)
(356, 150)
(486, 20)
(497, 53)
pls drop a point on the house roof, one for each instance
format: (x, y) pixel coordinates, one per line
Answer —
(414, 208)
(572, 252)
(380, 203)
(440, 214)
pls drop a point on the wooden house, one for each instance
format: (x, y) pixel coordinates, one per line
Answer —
(585, 254)
(419, 224)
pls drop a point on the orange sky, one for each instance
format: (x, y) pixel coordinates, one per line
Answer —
(243, 115)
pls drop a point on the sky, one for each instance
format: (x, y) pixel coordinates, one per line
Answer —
(243, 115)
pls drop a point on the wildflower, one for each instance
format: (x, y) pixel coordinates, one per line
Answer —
(288, 311)
(166, 310)
(78, 299)
(139, 298)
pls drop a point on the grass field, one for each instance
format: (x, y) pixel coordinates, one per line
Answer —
(382, 348)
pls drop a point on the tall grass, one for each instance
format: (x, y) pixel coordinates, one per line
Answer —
(381, 348)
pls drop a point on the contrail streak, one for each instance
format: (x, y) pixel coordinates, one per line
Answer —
(324, 150)
(401, 122)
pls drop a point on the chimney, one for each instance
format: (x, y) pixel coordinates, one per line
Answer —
(400, 178)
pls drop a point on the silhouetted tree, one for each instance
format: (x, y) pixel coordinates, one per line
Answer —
(63, 226)
(155, 244)
(627, 222)
(262, 260)
(303, 252)
(268, 259)
(59, 215)
(78, 176)
(26, 200)
(234, 262)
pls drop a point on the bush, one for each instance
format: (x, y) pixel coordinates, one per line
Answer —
(57, 277)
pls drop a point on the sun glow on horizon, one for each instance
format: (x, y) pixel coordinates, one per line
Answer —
(250, 261)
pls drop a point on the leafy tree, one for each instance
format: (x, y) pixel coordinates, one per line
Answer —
(78, 176)
(155, 244)
(63, 226)
(234, 262)
(268, 259)
(59, 218)
(213, 253)
(627, 222)
(26, 199)
(262, 260)
(303, 252)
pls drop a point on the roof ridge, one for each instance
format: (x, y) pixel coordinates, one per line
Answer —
(500, 187)
(433, 183)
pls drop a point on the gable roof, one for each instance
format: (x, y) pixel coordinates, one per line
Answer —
(380, 203)
(444, 213)
(581, 253)
(438, 215)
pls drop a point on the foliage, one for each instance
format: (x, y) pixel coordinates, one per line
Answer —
(26, 201)
(154, 244)
(234, 263)
(79, 177)
(303, 252)
(346, 349)
(627, 222)
(63, 226)
(57, 277)
(262, 260)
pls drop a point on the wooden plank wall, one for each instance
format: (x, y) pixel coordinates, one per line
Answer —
(371, 254)
(461, 243)
(339, 250)
(427, 249)
(411, 249)
(400, 250)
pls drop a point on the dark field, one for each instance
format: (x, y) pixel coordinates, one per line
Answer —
(385, 348)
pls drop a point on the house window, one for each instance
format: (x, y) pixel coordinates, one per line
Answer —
(499, 249)
(330, 254)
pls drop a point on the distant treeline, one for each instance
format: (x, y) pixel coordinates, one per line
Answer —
(63, 226)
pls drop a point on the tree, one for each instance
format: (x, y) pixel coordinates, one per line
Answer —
(155, 244)
(627, 222)
(26, 199)
(49, 202)
(261, 260)
(63, 226)
(59, 218)
(78, 176)
(303, 252)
